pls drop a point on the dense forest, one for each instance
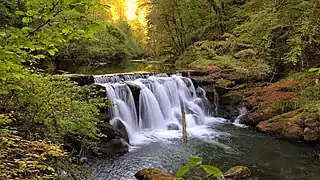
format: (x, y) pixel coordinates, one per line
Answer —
(46, 119)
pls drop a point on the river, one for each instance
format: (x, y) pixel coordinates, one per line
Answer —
(220, 144)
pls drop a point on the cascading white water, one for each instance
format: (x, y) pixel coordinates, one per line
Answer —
(159, 102)
(243, 111)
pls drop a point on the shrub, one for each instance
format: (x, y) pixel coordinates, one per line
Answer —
(22, 159)
(53, 107)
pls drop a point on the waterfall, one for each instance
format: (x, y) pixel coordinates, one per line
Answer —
(158, 105)
(242, 112)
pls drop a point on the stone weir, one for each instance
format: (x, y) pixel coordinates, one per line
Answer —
(83, 79)
(146, 100)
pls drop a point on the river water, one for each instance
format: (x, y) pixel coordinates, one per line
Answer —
(220, 144)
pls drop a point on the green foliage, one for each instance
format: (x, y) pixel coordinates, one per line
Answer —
(196, 163)
(23, 159)
(312, 93)
(112, 45)
(287, 32)
(177, 24)
(243, 61)
(55, 108)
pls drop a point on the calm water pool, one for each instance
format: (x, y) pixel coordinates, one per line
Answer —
(221, 144)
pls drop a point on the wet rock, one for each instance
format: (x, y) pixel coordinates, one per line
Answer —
(231, 99)
(122, 129)
(292, 131)
(173, 127)
(271, 127)
(312, 123)
(114, 147)
(153, 174)
(110, 131)
(195, 73)
(238, 173)
(81, 79)
(111, 144)
(297, 120)
(225, 83)
(113, 132)
(310, 135)
(221, 90)
(195, 83)
(136, 94)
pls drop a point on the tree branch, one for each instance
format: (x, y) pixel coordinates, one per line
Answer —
(54, 5)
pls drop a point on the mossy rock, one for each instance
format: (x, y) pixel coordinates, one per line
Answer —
(312, 123)
(238, 173)
(225, 83)
(310, 135)
(245, 54)
(292, 132)
(282, 126)
(231, 99)
(153, 174)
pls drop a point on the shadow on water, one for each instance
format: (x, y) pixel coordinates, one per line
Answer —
(268, 158)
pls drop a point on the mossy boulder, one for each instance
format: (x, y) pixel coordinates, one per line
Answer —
(233, 98)
(153, 174)
(312, 123)
(287, 126)
(238, 173)
(310, 135)
(225, 83)
(292, 132)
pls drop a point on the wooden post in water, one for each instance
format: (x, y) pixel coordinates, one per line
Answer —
(184, 124)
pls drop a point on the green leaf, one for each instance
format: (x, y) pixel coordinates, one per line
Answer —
(26, 20)
(3, 34)
(52, 52)
(40, 56)
(182, 171)
(311, 70)
(81, 8)
(195, 160)
(30, 12)
(211, 170)
(65, 31)
(20, 13)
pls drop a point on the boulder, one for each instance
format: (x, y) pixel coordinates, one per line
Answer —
(292, 131)
(231, 99)
(153, 174)
(311, 123)
(110, 131)
(238, 173)
(310, 135)
(81, 79)
(173, 127)
(271, 127)
(121, 128)
(113, 147)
